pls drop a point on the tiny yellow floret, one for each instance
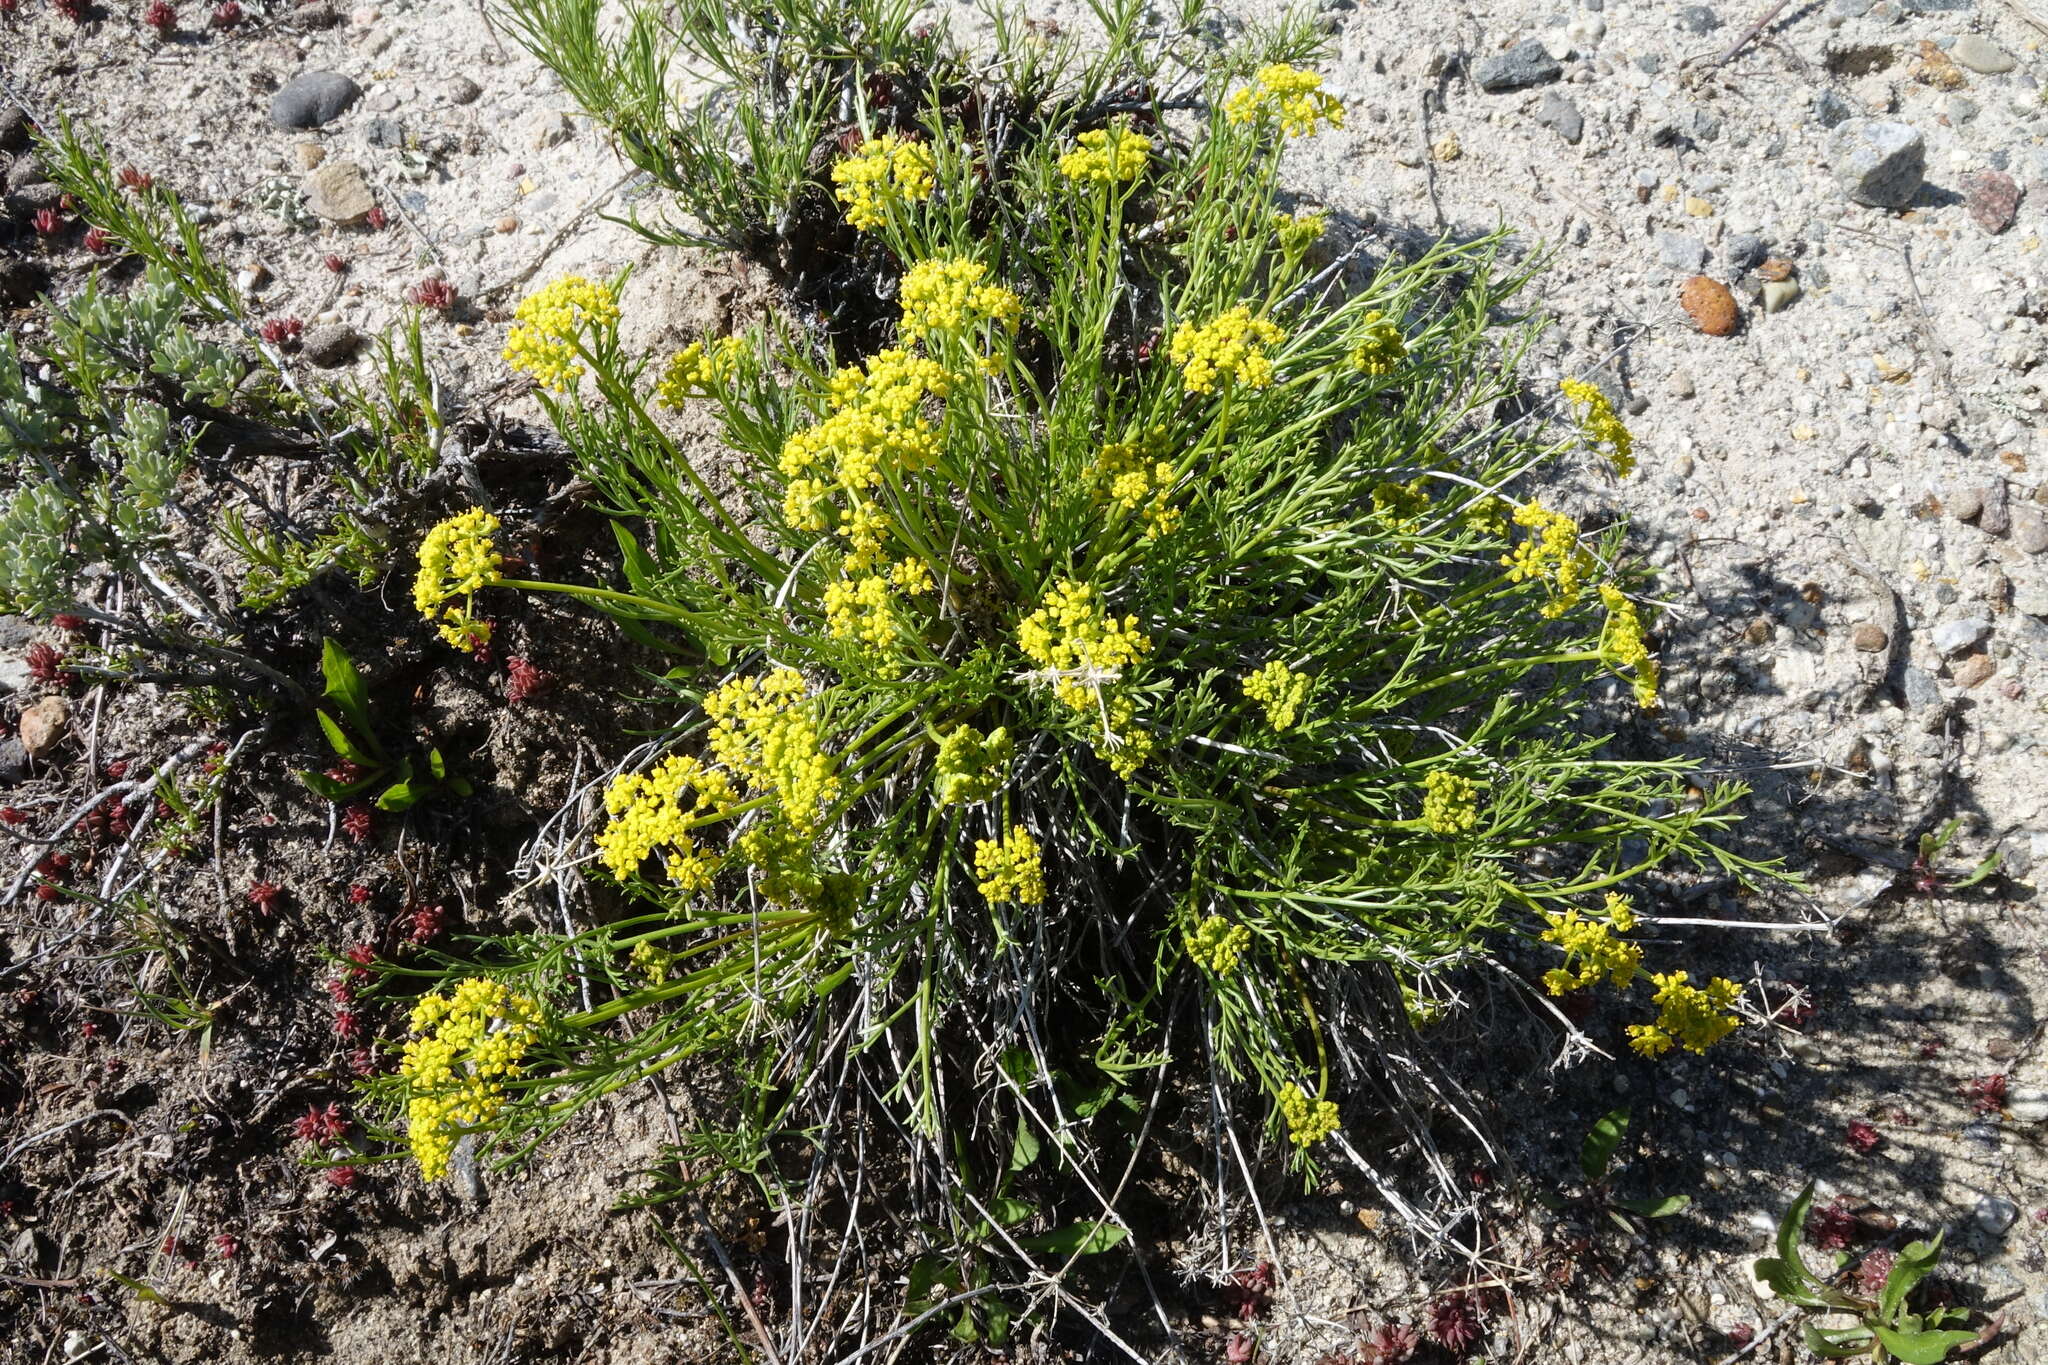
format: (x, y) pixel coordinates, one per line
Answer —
(1308, 1121)
(946, 295)
(467, 1044)
(1010, 870)
(1217, 944)
(1281, 691)
(1450, 802)
(698, 370)
(881, 172)
(1600, 425)
(1107, 156)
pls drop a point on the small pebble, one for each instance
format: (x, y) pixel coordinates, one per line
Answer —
(1974, 670)
(1993, 198)
(508, 224)
(1869, 637)
(1562, 117)
(1526, 63)
(1878, 163)
(2029, 530)
(1710, 305)
(312, 99)
(1953, 637)
(1779, 295)
(1981, 55)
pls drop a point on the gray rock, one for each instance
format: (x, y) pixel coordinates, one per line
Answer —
(388, 133)
(21, 279)
(1526, 63)
(1745, 251)
(313, 98)
(1561, 116)
(13, 762)
(14, 126)
(1960, 109)
(23, 171)
(1922, 692)
(317, 16)
(461, 90)
(1778, 295)
(1831, 109)
(1996, 518)
(1981, 55)
(2030, 530)
(1681, 252)
(1877, 162)
(338, 193)
(1698, 19)
(2028, 1104)
(1953, 637)
(331, 346)
(1849, 9)
(1966, 504)
(1994, 1215)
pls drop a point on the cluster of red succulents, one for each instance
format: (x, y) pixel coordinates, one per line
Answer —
(1986, 1094)
(356, 821)
(342, 1177)
(1248, 1294)
(161, 17)
(1454, 1321)
(52, 871)
(425, 923)
(264, 895)
(48, 222)
(1873, 1270)
(1863, 1136)
(432, 293)
(110, 817)
(45, 664)
(228, 1245)
(524, 681)
(7, 8)
(358, 894)
(138, 181)
(349, 1025)
(1240, 1348)
(376, 218)
(98, 241)
(227, 14)
(71, 623)
(282, 331)
(74, 10)
(334, 263)
(1831, 1227)
(346, 772)
(13, 815)
(1391, 1343)
(321, 1126)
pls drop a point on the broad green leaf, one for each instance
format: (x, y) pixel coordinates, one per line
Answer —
(1912, 1266)
(344, 684)
(1597, 1151)
(995, 1319)
(437, 765)
(1922, 1348)
(1024, 1147)
(399, 796)
(1656, 1208)
(639, 567)
(1837, 1343)
(1010, 1212)
(1789, 1282)
(344, 744)
(1082, 1239)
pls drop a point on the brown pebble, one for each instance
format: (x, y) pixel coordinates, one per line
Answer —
(1869, 637)
(1759, 631)
(508, 224)
(43, 726)
(1775, 269)
(1974, 670)
(1709, 304)
(1993, 199)
(310, 154)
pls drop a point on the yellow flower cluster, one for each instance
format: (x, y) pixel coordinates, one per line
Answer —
(543, 340)
(971, 766)
(762, 731)
(883, 171)
(469, 1043)
(1401, 505)
(1308, 1121)
(1281, 691)
(1084, 651)
(1450, 802)
(698, 369)
(1600, 425)
(1549, 554)
(1107, 155)
(861, 609)
(1230, 350)
(457, 560)
(650, 962)
(1133, 476)
(1687, 1016)
(948, 296)
(1591, 948)
(1299, 231)
(1381, 348)
(1295, 96)
(1622, 645)
(655, 812)
(1217, 944)
(1010, 870)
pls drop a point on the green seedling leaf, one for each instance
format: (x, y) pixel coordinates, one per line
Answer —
(1597, 1152)
(1024, 1147)
(1913, 1265)
(1790, 1283)
(345, 685)
(995, 1319)
(437, 765)
(460, 786)
(1836, 1343)
(325, 787)
(399, 796)
(142, 1291)
(1922, 1348)
(1082, 1239)
(1010, 1212)
(1656, 1208)
(1980, 872)
(344, 744)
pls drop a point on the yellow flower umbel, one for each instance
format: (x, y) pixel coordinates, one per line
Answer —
(542, 342)
(1450, 802)
(698, 370)
(1308, 1121)
(862, 610)
(1231, 350)
(1107, 156)
(1592, 949)
(1084, 652)
(1687, 1016)
(874, 427)
(1549, 554)
(1290, 94)
(1297, 232)
(1010, 870)
(468, 1043)
(1380, 349)
(1281, 691)
(457, 560)
(762, 731)
(1622, 645)
(970, 766)
(1134, 476)
(1217, 944)
(1600, 426)
(654, 812)
(947, 296)
(883, 171)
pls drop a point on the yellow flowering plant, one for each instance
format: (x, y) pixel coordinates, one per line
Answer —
(1109, 619)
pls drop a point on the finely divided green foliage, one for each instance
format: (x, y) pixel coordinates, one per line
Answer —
(1305, 737)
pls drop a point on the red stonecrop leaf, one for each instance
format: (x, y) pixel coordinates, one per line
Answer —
(161, 17)
(432, 293)
(1863, 1136)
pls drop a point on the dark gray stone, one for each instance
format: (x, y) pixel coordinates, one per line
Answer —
(21, 279)
(14, 126)
(1922, 692)
(1877, 162)
(461, 90)
(313, 98)
(385, 132)
(25, 171)
(1526, 63)
(1698, 19)
(1745, 251)
(1562, 117)
(13, 762)
(331, 346)
(29, 198)
(1649, 63)
(1831, 109)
